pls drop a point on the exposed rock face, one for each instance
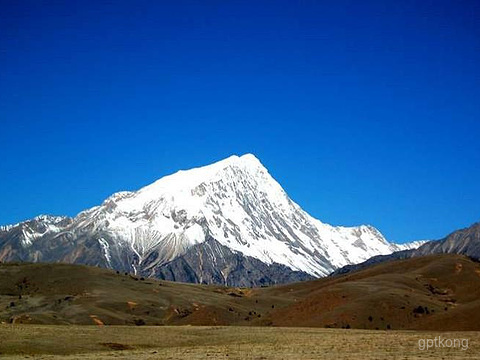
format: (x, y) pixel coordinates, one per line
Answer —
(229, 268)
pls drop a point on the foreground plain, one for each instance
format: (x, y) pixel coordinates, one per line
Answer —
(19, 341)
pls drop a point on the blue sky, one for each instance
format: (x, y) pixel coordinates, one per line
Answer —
(365, 112)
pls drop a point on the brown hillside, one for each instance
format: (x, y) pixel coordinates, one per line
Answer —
(440, 292)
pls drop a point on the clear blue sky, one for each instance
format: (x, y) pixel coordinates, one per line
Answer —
(366, 112)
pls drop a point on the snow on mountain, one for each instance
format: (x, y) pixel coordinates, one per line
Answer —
(411, 245)
(237, 203)
(39, 226)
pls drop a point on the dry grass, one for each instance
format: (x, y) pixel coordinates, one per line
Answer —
(191, 342)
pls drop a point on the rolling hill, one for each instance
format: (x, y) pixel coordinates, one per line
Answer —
(439, 292)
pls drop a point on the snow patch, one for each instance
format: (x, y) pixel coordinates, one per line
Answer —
(106, 250)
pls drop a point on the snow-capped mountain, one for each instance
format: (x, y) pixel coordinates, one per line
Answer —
(184, 224)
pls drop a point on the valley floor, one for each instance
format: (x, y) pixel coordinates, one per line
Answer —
(194, 342)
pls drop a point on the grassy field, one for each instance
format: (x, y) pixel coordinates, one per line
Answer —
(192, 342)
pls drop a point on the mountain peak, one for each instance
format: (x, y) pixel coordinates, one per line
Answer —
(246, 161)
(186, 180)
